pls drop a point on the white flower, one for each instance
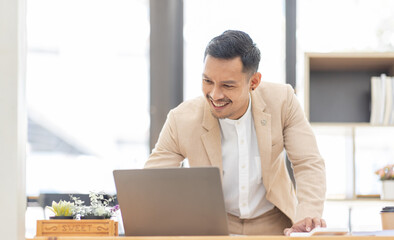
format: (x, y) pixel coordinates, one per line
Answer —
(100, 211)
(98, 206)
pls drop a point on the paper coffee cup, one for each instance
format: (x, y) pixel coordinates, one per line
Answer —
(387, 215)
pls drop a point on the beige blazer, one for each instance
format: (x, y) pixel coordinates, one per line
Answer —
(192, 132)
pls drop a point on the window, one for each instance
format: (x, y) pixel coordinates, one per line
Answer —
(262, 20)
(352, 151)
(87, 93)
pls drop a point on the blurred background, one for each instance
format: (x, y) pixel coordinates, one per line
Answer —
(88, 89)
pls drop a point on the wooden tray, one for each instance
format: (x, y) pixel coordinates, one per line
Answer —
(58, 227)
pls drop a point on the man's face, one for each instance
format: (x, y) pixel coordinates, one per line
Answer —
(226, 87)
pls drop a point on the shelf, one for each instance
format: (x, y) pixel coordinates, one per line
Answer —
(338, 85)
(351, 61)
(337, 98)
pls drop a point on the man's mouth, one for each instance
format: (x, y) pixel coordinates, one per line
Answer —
(219, 105)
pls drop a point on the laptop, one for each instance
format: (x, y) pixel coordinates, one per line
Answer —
(171, 201)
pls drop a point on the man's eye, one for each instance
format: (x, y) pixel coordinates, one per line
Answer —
(207, 81)
(228, 86)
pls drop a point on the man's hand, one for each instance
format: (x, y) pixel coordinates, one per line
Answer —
(305, 225)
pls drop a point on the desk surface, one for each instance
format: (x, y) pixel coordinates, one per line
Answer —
(222, 238)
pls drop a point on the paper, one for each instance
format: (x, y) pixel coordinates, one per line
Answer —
(321, 232)
(374, 233)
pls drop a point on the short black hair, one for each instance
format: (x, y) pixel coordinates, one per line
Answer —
(231, 44)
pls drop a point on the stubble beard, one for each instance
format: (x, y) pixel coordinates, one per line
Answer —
(209, 99)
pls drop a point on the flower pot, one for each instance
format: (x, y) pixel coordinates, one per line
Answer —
(61, 217)
(387, 190)
(81, 228)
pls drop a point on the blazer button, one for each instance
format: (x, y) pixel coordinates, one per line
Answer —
(263, 122)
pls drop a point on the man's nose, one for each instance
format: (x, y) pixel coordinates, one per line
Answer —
(216, 93)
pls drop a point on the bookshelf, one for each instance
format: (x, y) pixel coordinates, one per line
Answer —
(338, 95)
(338, 85)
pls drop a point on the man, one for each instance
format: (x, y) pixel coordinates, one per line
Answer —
(242, 126)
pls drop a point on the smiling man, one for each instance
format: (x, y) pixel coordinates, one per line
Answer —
(243, 126)
(226, 86)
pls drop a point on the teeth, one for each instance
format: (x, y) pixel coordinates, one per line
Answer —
(218, 104)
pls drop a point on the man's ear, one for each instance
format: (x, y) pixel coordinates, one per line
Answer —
(254, 81)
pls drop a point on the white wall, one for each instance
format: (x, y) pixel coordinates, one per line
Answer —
(12, 119)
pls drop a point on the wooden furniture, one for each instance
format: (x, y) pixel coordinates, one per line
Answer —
(337, 85)
(337, 93)
(224, 238)
(101, 227)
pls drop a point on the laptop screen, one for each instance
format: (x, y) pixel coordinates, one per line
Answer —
(171, 201)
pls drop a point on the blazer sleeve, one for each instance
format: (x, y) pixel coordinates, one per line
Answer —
(308, 165)
(166, 152)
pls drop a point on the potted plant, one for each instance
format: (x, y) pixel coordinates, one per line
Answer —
(99, 207)
(386, 175)
(62, 210)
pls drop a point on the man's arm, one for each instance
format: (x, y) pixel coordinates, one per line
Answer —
(308, 165)
(166, 152)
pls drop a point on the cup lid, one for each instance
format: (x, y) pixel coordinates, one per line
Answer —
(388, 209)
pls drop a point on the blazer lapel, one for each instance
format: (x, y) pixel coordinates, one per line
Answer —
(211, 139)
(262, 124)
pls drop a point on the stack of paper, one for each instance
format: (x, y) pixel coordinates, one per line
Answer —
(374, 233)
(340, 231)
